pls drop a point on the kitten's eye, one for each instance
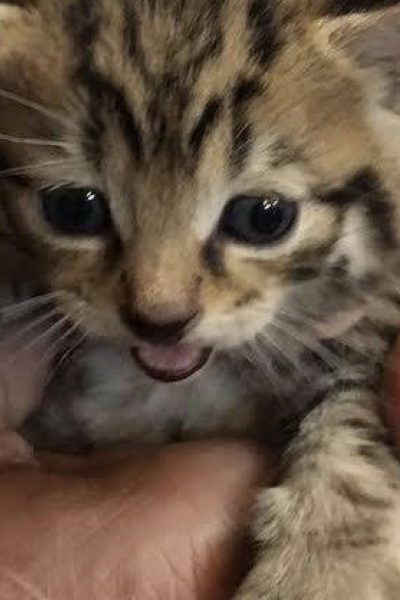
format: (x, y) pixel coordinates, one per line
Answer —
(76, 211)
(258, 220)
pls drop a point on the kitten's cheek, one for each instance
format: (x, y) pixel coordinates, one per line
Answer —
(96, 321)
(229, 330)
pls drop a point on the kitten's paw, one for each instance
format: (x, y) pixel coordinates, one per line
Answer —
(257, 588)
(306, 554)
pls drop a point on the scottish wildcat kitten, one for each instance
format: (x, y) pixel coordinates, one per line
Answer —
(210, 187)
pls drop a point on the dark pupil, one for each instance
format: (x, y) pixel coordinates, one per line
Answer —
(76, 211)
(267, 217)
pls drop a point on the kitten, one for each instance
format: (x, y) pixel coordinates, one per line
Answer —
(210, 188)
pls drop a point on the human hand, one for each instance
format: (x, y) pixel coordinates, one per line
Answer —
(168, 525)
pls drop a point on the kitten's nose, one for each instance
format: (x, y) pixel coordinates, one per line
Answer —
(168, 331)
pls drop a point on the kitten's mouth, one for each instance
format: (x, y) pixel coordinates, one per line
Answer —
(170, 363)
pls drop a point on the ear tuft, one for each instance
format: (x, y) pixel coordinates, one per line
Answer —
(372, 41)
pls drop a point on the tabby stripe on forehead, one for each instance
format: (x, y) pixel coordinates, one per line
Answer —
(365, 189)
(265, 33)
(131, 41)
(207, 121)
(109, 96)
(242, 136)
(130, 31)
(82, 21)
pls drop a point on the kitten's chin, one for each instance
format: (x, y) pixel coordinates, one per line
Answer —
(172, 363)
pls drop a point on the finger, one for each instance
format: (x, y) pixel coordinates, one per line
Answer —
(25, 361)
(166, 526)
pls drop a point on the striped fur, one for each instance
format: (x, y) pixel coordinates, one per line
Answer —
(172, 108)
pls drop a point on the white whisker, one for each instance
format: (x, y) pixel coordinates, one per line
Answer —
(51, 114)
(59, 340)
(32, 168)
(341, 341)
(256, 356)
(308, 342)
(36, 142)
(67, 354)
(14, 311)
(49, 331)
(21, 332)
(298, 319)
(267, 342)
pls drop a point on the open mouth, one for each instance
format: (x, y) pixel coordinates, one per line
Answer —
(170, 363)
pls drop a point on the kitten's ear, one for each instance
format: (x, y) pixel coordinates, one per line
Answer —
(368, 32)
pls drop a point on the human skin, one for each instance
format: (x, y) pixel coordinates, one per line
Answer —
(168, 524)
(165, 525)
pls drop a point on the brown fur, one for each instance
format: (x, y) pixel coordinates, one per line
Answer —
(171, 109)
(325, 132)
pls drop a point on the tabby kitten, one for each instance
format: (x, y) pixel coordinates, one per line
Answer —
(210, 188)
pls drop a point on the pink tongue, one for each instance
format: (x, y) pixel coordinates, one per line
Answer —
(174, 360)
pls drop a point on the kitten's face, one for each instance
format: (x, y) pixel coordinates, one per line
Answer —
(192, 163)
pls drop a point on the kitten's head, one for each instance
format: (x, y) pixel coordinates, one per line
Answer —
(191, 169)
